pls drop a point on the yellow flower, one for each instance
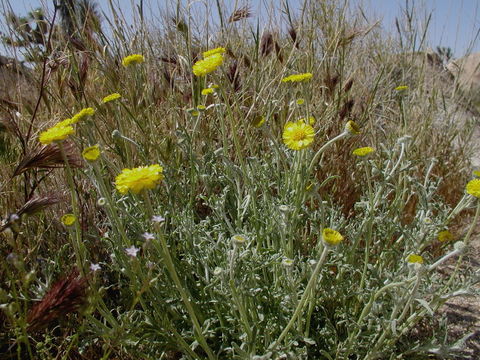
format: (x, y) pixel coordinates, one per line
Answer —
(415, 259)
(331, 237)
(298, 135)
(363, 151)
(298, 77)
(258, 121)
(65, 122)
(91, 153)
(352, 128)
(473, 187)
(444, 236)
(207, 65)
(68, 219)
(207, 91)
(300, 101)
(219, 50)
(311, 120)
(138, 179)
(401, 88)
(111, 97)
(238, 240)
(132, 60)
(201, 107)
(55, 134)
(82, 114)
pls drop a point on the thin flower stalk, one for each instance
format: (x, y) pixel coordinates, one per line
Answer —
(165, 253)
(303, 299)
(78, 244)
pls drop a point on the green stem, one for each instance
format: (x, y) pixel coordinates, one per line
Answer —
(165, 253)
(303, 300)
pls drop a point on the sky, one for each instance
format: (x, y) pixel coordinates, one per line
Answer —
(454, 23)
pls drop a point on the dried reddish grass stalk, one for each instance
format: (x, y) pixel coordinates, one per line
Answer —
(48, 157)
(66, 296)
(240, 14)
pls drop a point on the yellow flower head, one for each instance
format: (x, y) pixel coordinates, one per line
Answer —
(238, 239)
(258, 121)
(219, 50)
(444, 236)
(201, 107)
(363, 151)
(207, 91)
(65, 122)
(352, 128)
(415, 259)
(68, 219)
(401, 88)
(331, 237)
(138, 179)
(298, 77)
(91, 153)
(298, 135)
(311, 120)
(82, 114)
(55, 134)
(111, 97)
(473, 187)
(300, 101)
(132, 60)
(207, 65)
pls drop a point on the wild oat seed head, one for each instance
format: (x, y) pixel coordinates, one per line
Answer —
(363, 151)
(415, 259)
(138, 179)
(473, 188)
(207, 65)
(298, 77)
(82, 114)
(331, 237)
(111, 97)
(68, 219)
(444, 236)
(352, 128)
(91, 153)
(132, 60)
(298, 135)
(219, 50)
(55, 134)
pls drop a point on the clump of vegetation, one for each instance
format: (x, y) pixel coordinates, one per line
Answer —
(193, 194)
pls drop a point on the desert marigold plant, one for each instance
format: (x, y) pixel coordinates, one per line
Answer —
(82, 114)
(111, 97)
(473, 188)
(55, 134)
(298, 135)
(363, 151)
(68, 219)
(138, 179)
(207, 65)
(298, 77)
(415, 259)
(331, 237)
(444, 236)
(91, 153)
(219, 50)
(133, 59)
(352, 128)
